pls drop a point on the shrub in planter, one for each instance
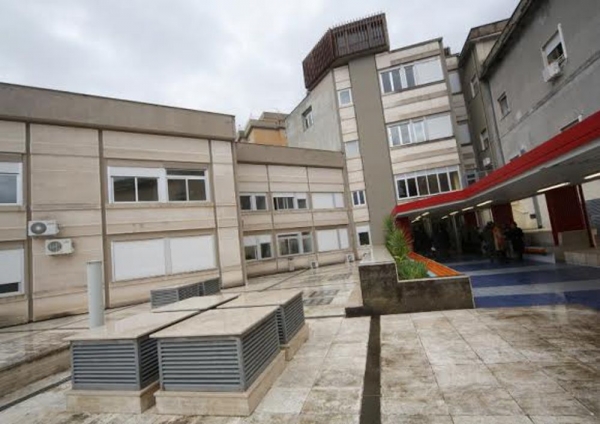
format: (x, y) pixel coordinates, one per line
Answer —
(399, 247)
(411, 270)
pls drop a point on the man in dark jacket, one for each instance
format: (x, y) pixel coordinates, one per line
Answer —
(515, 235)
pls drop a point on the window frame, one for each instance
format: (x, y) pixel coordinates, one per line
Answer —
(295, 197)
(187, 178)
(14, 168)
(474, 84)
(558, 33)
(334, 195)
(402, 76)
(344, 90)
(361, 196)
(256, 238)
(338, 231)
(484, 142)
(307, 118)
(355, 154)
(412, 124)
(363, 229)
(299, 237)
(503, 100)
(253, 204)
(423, 177)
(21, 284)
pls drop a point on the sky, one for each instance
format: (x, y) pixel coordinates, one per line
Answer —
(230, 56)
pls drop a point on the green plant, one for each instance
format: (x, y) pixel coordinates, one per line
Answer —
(411, 270)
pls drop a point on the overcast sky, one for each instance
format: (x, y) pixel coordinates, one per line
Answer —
(237, 57)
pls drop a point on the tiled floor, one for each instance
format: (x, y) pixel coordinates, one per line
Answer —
(535, 365)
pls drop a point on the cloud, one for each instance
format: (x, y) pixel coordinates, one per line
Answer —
(232, 56)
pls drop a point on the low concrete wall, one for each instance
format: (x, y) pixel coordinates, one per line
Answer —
(383, 293)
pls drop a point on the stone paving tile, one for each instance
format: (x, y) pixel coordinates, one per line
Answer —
(283, 400)
(564, 420)
(486, 419)
(333, 401)
(415, 419)
(558, 404)
(327, 419)
(482, 402)
(414, 405)
(464, 377)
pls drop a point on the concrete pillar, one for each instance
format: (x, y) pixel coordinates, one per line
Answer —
(502, 214)
(95, 294)
(565, 210)
(457, 237)
(586, 217)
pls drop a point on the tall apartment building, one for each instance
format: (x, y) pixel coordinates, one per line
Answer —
(398, 115)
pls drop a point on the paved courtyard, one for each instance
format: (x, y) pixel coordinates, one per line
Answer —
(499, 366)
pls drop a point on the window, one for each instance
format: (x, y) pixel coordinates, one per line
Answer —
(503, 102)
(285, 201)
(428, 182)
(186, 185)
(158, 257)
(327, 200)
(11, 182)
(474, 86)
(130, 185)
(471, 177)
(484, 140)
(257, 247)
(554, 49)
(418, 130)
(294, 243)
(358, 198)
(411, 75)
(351, 148)
(12, 265)
(363, 233)
(463, 134)
(455, 85)
(253, 202)
(345, 97)
(307, 118)
(335, 239)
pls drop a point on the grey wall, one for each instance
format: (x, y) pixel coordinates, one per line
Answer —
(539, 109)
(374, 147)
(325, 133)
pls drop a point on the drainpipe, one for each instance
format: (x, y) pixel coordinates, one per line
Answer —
(95, 294)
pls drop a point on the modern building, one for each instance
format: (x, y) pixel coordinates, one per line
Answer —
(161, 195)
(398, 115)
(268, 129)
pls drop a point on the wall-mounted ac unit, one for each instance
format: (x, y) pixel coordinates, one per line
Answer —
(552, 71)
(59, 247)
(42, 228)
(350, 257)
(487, 161)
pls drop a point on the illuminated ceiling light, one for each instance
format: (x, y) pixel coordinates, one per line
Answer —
(484, 203)
(468, 209)
(453, 213)
(591, 177)
(425, 214)
(543, 190)
(445, 217)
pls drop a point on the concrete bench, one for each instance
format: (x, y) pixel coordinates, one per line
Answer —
(221, 362)
(293, 330)
(115, 367)
(166, 295)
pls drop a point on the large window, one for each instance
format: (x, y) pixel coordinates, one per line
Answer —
(286, 201)
(165, 256)
(307, 118)
(363, 235)
(327, 200)
(503, 103)
(253, 202)
(358, 198)
(554, 50)
(11, 191)
(294, 243)
(335, 239)
(12, 266)
(345, 97)
(411, 75)
(418, 130)
(131, 185)
(186, 185)
(257, 247)
(428, 182)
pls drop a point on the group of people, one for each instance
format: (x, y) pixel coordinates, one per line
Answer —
(501, 243)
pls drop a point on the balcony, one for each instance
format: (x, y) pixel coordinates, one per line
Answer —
(344, 42)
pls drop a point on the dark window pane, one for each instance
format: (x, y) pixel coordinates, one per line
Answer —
(302, 204)
(363, 239)
(405, 131)
(361, 196)
(294, 246)
(433, 184)
(306, 243)
(411, 183)
(422, 183)
(454, 180)
(395, 133)
(194, 172)
(9, 288)
(250, 253)
(396, 79)
(265, 250)
(401, 189)
(124, 189)
(147, 189)
(283, 247)
(177, 191)
(8, 188)
(245, 203)
(197, 189)
(556, 54)
(410, 76)
(261, 203)
(444, 183)
(387, 83)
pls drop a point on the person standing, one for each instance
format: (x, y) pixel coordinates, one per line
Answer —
(515, 236)
(499, 243)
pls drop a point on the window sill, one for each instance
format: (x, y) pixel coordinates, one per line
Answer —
(12, 297)
(259, 261)
(295, 255)
(12, 208)
(290, 211)
(359, 206)
(159, 205)
(416, 87)
(254, 211)
(346, 106)
(404, 146)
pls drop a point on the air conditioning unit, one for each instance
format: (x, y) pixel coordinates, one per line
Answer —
(350, 257)
(487, 161)
(42, 228)
(59, 247)
(314, 265)
(551, 71)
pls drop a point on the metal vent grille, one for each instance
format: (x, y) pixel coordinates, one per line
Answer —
(293, 314)
(210, 287)
(161, 297)
(259, 348)
(200, 365)
(148, 354)
(108, 365)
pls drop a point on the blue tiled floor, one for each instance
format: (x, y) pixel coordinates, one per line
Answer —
(531, 283)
